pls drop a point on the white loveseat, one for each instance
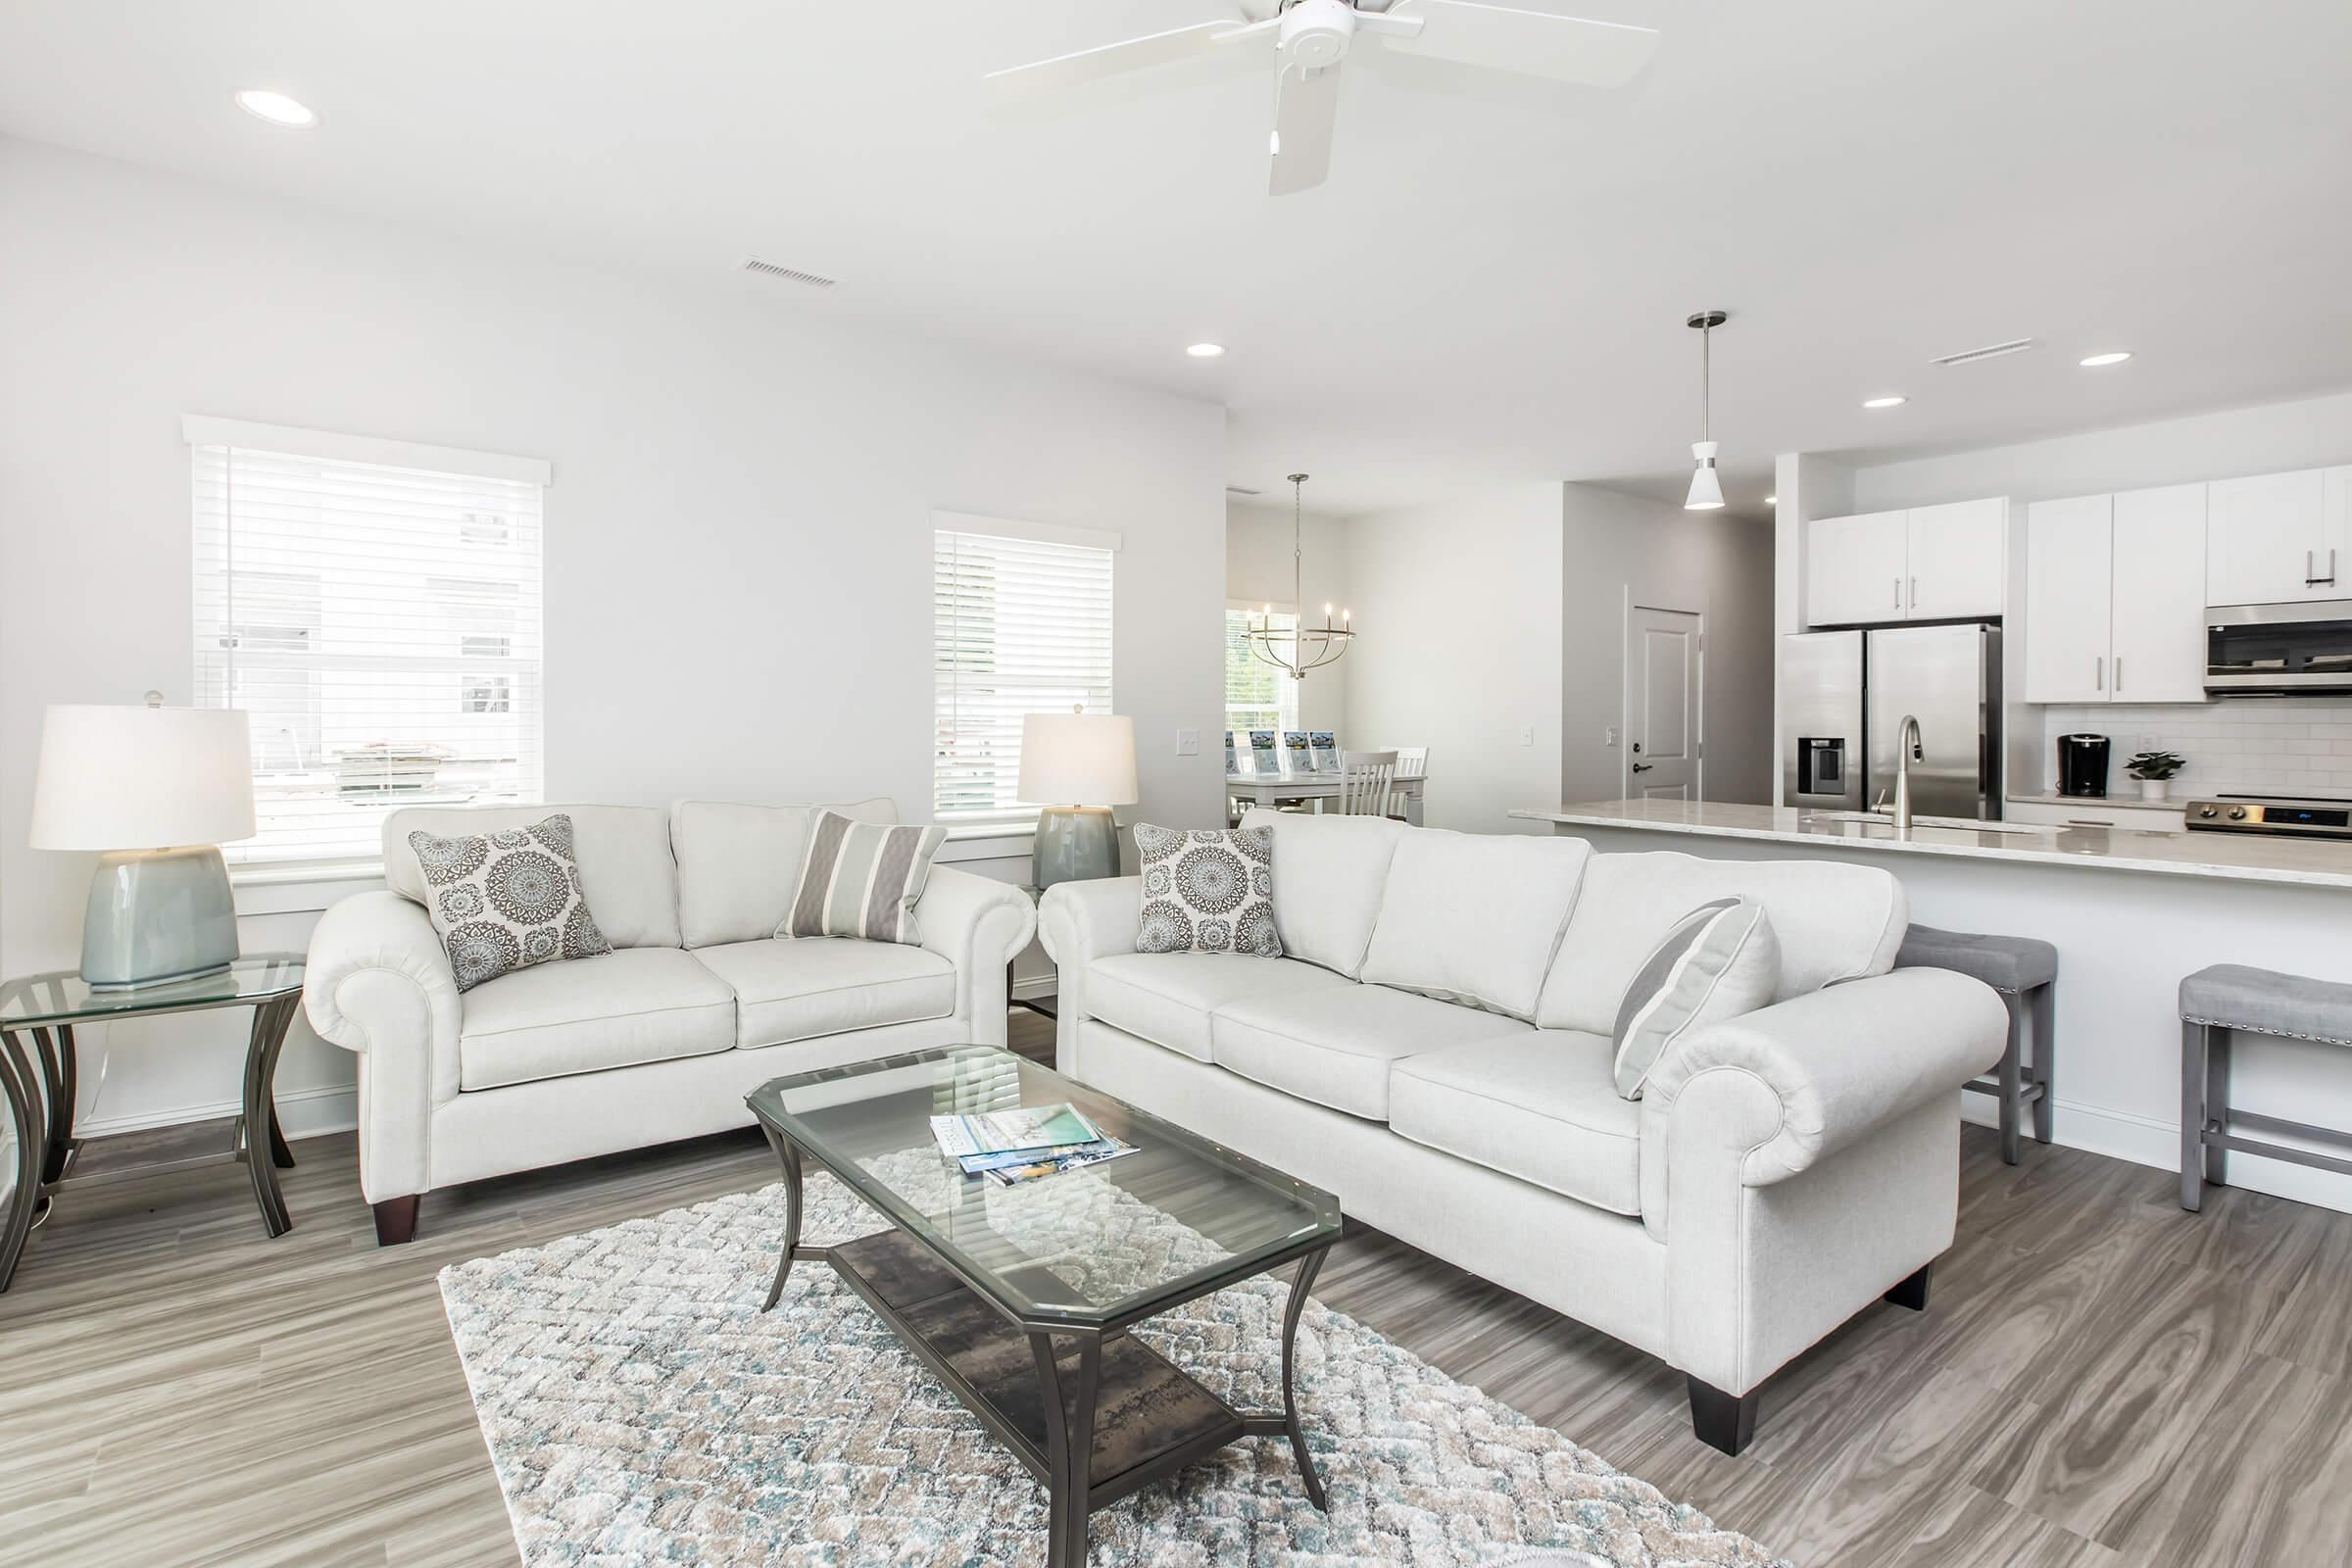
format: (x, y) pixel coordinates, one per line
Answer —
(661, 1039)
(1435, 1048)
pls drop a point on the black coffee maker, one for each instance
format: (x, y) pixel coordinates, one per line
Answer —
(2082, 765)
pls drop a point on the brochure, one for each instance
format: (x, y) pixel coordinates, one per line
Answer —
(1296, 759)
(1262, 762)
(1327, 751)
(1231, 766)
(1037, 1128)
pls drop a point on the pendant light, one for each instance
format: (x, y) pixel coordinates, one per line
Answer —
(1706, 489)
(1300, 648)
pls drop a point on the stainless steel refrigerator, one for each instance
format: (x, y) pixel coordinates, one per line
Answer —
(1844, 695)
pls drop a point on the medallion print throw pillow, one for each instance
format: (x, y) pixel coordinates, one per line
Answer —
(863, 880)
(505, 901)
(1207, 891)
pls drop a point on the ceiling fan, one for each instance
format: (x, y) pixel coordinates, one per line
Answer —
(1312, 37)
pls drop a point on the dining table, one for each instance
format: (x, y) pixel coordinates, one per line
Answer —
(1283, 789)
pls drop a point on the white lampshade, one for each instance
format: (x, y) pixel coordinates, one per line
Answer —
(142, 779)
(1078, 759)
(1706, 489)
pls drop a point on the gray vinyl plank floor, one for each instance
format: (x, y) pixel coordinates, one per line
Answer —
(2101, 1380)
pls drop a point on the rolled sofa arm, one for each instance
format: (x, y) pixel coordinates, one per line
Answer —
(1818, 1072)
(979, 925)
(1082, 921)
(379, 984)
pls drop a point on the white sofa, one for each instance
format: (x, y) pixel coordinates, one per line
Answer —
(661, 1039)
(1435, 1048)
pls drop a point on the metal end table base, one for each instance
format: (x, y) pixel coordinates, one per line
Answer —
(1094, 1420)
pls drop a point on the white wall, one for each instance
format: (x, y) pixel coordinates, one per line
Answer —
(1258, 572)
(2310, 433)
(1622, 551)
(738, 536)
(1457, 610)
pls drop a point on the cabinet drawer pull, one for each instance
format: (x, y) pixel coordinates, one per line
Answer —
(1914, 593)
(2119, 673)
(2098, 679)
(1898, 593)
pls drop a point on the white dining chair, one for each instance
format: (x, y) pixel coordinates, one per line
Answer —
(1413, 762)
(1367, 780)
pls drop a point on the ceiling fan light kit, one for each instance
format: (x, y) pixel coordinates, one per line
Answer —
(1706, 485)
(1312, 39)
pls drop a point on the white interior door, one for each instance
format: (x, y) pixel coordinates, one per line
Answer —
(1663, 720)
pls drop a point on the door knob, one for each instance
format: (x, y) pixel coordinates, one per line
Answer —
(1642, 768)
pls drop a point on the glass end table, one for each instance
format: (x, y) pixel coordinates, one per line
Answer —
(1021, 1298)
(39, 1079)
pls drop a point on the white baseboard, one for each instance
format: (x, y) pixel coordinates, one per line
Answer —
(1038, 984)
(301, 1113)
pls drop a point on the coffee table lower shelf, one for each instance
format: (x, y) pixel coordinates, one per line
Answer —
(1150, 1418)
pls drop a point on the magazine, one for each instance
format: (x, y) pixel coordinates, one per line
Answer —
(1014, 1175)
(1027, 1128)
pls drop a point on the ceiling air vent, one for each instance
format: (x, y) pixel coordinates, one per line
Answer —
(1993, 350)
(1242, 490)
(790, 274)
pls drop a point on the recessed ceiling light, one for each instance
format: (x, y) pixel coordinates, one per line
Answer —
(1771, 501)
(1890, 402)
(277, 109)
(2111, 357)
(1206, 351)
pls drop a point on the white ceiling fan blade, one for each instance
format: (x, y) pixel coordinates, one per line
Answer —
(1535, 43)
(1306, 105)
(1110, 58)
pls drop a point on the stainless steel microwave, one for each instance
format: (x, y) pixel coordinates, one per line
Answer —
(2298, 650)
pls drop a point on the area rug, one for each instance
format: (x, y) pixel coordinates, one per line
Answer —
(639, 1408)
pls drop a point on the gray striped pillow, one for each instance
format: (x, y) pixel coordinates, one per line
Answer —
(1718, 961)
(862, 879)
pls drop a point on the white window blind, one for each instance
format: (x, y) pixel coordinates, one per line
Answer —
(1020, 625)
(379, 624)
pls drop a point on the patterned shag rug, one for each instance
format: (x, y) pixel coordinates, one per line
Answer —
(641, 1409)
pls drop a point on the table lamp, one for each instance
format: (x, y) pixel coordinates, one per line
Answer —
(157, 790)
(1089, 760)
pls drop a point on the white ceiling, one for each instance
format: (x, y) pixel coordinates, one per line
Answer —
(1492, 285)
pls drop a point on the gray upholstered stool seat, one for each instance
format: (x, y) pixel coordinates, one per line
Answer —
(2025, 971)
(2230, 999)
(2264, 1001)
(2005, 964)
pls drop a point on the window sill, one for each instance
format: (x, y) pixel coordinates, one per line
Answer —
(266, 888)
(988, 841)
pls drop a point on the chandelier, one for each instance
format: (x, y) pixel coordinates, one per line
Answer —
(1300, 648)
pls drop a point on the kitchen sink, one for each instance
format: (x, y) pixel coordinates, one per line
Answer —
(1960, 824)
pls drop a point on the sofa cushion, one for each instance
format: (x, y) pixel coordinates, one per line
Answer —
(1717, 962)
(629, 1007)
(1328, 873)
(1475, 917)
(504, 901)
(802, 987)
(862, 879)
(1333, 1046)
(1166, 998)
(739, 866)
(626, 870)
(1208, 890)
(1833, 922)
(1542, 1106)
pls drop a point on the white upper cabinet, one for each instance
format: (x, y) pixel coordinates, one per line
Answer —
(1856, 568)
(2269, 540)
(2114, 597)
(1958, 565)
(2070, 570)
(1928, 563)
(2159, 609)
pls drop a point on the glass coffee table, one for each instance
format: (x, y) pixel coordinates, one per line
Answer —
(1020, 1298)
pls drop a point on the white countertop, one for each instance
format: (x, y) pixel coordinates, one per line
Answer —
(2247, 858)
(2108, 802)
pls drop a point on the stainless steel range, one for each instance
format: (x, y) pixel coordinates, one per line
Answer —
(2305, 816)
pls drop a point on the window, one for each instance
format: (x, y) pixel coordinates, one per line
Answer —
(1021, 624)
(375, 608)
(1257, 695)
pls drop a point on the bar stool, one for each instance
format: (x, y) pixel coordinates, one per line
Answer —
(2025, 971)
(2234, 998)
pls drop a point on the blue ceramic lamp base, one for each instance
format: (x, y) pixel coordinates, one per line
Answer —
(1075, 843)
(158, 915)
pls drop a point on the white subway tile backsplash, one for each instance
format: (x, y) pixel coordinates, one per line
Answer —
(2248, 746)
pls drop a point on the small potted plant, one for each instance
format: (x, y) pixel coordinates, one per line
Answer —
(2154, 771)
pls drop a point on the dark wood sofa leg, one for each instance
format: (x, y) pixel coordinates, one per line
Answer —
(1726, 1421)
(1912, 1292)
(396, 1220)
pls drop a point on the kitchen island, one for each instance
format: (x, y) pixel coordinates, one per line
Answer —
(2130, 911)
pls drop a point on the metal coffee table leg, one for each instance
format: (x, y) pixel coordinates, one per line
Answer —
(263, 1143)
(1291, 1314)
(790, 1158)
(1069, 1445)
